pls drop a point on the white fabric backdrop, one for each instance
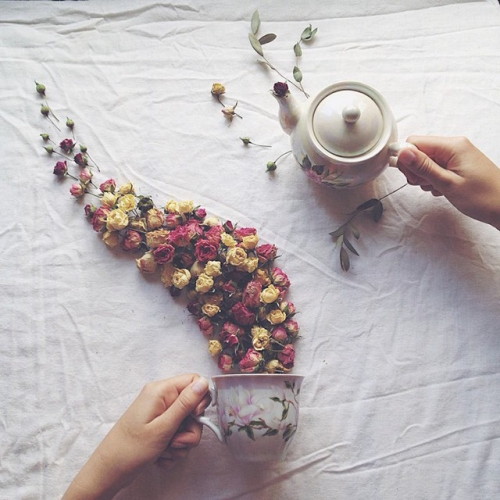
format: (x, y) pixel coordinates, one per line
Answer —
(402, 354)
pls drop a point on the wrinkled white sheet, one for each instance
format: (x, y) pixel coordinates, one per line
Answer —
(402, 354)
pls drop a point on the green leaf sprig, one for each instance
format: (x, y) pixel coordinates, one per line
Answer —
(257, 43)
(342, 234)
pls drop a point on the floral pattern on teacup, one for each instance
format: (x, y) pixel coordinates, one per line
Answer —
(259, 414)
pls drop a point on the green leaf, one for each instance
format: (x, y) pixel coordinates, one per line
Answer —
(255, 23)
(284, 414)
(297, 74)
(306, 34)
(276, 399)
(377, 211)
(367, 205)
(297, 49)
(255, 44)
(345, 262)
(348, 244)
(271, 432)
(267, 38)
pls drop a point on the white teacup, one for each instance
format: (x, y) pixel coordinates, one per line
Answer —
(257, 414)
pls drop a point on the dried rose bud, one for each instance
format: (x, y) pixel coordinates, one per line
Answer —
(228, 226)
(77, 190)
(45, 110)
(83, 148)
(108, 186)
(145, 204)
(60, 168)
(89, 210)
(85, 176)
(246, 140)
(218, 89)
(45, 137)
(70, 123)
(280, 89)
(271, 166)
(67, 145)
(40, 88)
(80, 159)
(49, 149)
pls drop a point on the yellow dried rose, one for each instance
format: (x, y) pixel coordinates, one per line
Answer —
(214, 347)
(250, 242)
(197, 268)
(276, 316)
(108, 199)
(210, 309)
(250, 264)
(117, 219)
(236, 256)
(275, 366)
(127, 202)
(181, 278)
(212, 268)
(218, 89)
(147, 263)
(204, 283)
(166, 274)
(139, 224)
(185, 206)
(172, 207)
(127, 188)
(212, 221)
(262, 276)
(154, 218)
(228, 240)
(156, 238)
(269, 294)
(111, 238)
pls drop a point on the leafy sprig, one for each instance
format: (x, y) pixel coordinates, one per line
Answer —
(342, 234)
(257, 44)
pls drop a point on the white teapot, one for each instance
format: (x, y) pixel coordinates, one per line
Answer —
(342, 137)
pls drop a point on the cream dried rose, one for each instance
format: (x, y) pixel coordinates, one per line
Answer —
(210, 309)
(275, 317)
(269, 294)
(167, 271)
(185, 206)
(250, 264)
(228, 240)
(117, 219)
(197, 268)
(147, 263)
(156, 238)
(127, 202)
(214, 347)
(154, 218)
(111, 238)
(127, 188)
(204, 283)
(250, 242)
(236, 256)
(212, 268)
(108, 199)
(181, 278)
(172, 207)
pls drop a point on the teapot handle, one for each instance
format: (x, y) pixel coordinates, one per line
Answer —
(395, 148)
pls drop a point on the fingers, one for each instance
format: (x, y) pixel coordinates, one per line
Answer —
(422, 170)
(187, 402)
(188, 436)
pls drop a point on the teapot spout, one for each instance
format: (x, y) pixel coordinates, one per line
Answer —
(289, 111)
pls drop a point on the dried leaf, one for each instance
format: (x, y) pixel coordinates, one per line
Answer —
(345, 263)
(297, 49)
(271, 432)
(255, 44)
(306, 34)
(355, 231)
(255, 23)
(367, 205)
(338, 232)
(267, 38)
(377, 211)
(297, 74)
(348, 244)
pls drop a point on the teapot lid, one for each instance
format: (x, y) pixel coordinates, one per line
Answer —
(347, 122)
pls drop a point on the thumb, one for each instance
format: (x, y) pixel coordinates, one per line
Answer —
(185, 404)
(418, 163)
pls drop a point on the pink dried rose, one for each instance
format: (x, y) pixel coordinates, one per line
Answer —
(200, 213)
(172, 221)
(280, 334)
(242, 315)
(77, 190)
(288, 308)
(89, 210)
(229, 328)
(240, 232)
(205, 251)
(164, 254)
(108, 186)
(280, 278)
(194, 229)
(67, 145)
(184, 259)
(292, 327)
(225, 362)
(60, 168)
(85, 176)
(80, 159)
(179, 236)
(99, 218)
(132, 240)
(251, 294)
(213, 234)
(206, 326)
(287, 356)
(266, 253)
(251, 361)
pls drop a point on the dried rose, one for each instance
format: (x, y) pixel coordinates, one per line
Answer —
(280, 89)
(206, 326)
(280, 278)
(205, 251)
(164, 253)
(60, 168)
(127, 188)
(287, 356)
(266, 253)
(292, 327)
(77, 190)
(80, 159)
(127, 202)
(67, 145)
(108, 199)
(275, 317)
(228, 240)
(200, 213)
(181, 278)
(204, 283)
(154, 218)
(275, 366)
(108, 186)
(218, 89)
(185, 206)
(251, 361)
(280, 334)
(156, 238)
(117, 220)
(236, 256)
(167, 271)
(212, 268)
(99, 218)
(242, 315)
(251, 294)
(210, 309)
(225, 362)
(132, 240)
(111, 239)
(249, 242)
(269, 294)
(172, 220)
(179, 236)
(214, 347)
(241, 232)
(85, 176)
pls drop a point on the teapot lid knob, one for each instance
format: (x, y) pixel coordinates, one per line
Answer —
(351, 114)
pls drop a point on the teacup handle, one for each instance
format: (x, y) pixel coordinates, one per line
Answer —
(206, 421)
